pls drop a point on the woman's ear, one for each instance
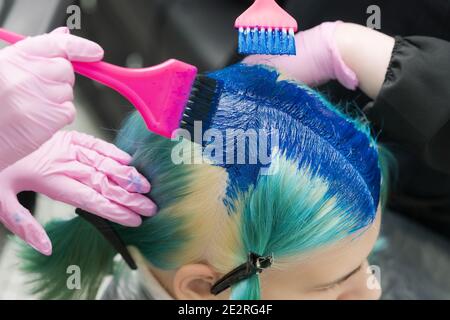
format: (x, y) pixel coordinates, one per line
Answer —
(194, 282)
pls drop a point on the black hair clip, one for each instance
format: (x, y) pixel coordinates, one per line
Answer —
(111, 235)
(255, 264)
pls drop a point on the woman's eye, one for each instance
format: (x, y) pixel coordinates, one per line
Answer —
(329, 288)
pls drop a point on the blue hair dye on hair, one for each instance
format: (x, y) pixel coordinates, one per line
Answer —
(312, 132)
(327, 187)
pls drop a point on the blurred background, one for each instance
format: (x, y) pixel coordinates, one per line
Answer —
(415, 258)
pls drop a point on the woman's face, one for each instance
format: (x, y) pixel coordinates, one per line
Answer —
(337, 272)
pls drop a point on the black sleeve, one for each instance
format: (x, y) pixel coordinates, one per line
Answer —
(413, 107)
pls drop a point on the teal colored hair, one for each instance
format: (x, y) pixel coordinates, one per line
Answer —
(326, 180)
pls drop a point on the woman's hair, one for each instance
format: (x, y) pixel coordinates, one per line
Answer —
(322, 184)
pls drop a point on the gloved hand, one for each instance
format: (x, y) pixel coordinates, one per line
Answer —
(318, 59)
(81, 171)
(36, 94)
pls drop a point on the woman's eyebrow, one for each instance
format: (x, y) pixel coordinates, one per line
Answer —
(340, 280)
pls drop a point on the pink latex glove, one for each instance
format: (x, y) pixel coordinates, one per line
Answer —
(81, 171)
(318, 59)
(36, 94)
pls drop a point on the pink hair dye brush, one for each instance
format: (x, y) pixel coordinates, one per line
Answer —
(169, 96)
(265, 28)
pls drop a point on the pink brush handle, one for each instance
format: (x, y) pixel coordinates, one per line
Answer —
(267, 14)
(101, 71)
(159, 93)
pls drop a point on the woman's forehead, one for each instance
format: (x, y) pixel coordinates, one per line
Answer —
(329, 263)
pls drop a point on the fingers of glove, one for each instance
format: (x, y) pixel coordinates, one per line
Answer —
(125, 176)
(84, 197)
(63, 114)
(62, 45)
(61, 93)
(61, 30)
(20, 222)
(52, 69)
(101, 147)
(98, 181)
(54, 92)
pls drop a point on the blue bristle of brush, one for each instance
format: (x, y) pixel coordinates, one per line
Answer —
(274, 42)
